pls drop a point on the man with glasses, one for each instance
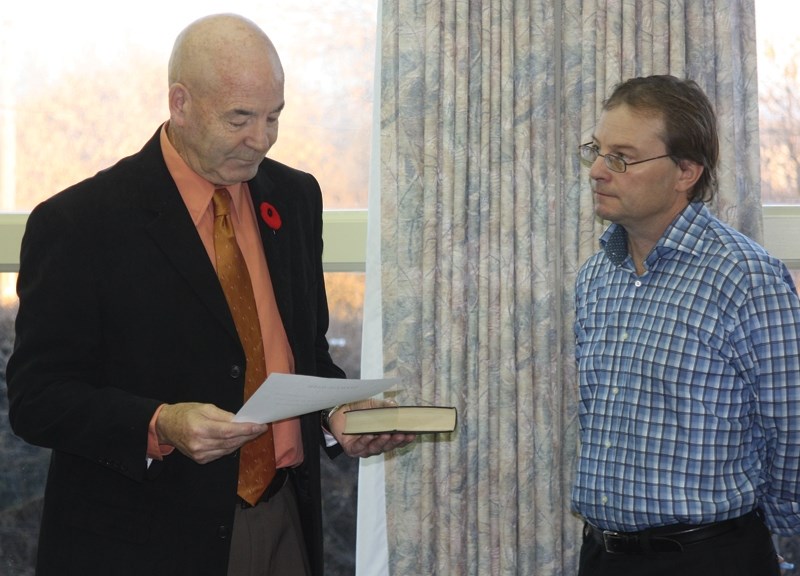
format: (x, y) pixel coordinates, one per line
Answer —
(688, 351)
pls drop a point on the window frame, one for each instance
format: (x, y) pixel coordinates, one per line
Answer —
(782, 233)
(345, 237)
(344, 234)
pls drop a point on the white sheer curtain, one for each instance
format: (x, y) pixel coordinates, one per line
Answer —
(372, 553)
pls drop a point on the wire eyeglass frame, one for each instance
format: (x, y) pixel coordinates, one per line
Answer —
(589, 152)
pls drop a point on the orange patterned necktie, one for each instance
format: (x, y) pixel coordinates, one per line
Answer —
(257, 457)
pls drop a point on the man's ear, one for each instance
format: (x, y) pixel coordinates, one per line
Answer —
(690, 174)
(179, 102)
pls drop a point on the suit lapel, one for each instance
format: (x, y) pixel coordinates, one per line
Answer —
(172, 229)
(276, 241)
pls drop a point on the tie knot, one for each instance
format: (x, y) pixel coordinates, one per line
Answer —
(222, 202)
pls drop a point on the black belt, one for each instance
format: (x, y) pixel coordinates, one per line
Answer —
(274, 487)
(665, 538)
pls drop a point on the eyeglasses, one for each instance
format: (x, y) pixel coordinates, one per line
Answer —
(590, 152)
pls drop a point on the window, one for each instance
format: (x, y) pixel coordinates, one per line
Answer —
(779, 127)
(779, 103)
(77, 97)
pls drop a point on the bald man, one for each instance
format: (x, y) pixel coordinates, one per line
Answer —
(127, 360)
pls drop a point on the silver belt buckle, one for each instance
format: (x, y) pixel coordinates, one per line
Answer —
(611, 540)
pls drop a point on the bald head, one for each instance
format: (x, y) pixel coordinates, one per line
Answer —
(212, 49)
(225, 97)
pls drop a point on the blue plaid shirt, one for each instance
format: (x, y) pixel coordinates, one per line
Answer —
(689, 381)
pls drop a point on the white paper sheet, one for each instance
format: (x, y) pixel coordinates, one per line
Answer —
(287, 395)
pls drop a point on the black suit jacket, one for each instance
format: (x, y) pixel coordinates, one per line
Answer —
(120, 311)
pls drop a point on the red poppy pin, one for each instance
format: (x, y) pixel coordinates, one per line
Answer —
(270, 215)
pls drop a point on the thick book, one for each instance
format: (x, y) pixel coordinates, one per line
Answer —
(413, 419)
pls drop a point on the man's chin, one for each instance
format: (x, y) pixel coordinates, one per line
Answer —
(242, 173)
(603, 212)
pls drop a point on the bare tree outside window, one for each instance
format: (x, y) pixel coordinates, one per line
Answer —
(779, 121)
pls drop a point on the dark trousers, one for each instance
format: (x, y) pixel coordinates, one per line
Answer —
(746, 551)
(268, 538)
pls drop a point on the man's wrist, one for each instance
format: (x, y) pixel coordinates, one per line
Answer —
(155, 448)
(326, 416)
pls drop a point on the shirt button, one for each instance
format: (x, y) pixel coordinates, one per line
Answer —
(624, 336)
(223, 532)
(608, 444)
(615, 390)
(604, 500)
(236, 371)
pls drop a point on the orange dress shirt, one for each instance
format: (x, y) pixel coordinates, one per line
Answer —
(197, 193)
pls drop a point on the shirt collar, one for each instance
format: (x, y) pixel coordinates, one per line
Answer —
(195, 190)
(685, 234)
